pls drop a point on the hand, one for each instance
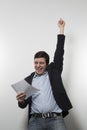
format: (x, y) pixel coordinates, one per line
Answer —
(20, 97)
(61, 25)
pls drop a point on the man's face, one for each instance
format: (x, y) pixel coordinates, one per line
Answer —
(40, 65)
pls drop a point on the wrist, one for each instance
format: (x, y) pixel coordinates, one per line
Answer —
(61, 30)
(21, 101)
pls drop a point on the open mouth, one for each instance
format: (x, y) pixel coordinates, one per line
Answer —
(39, 69)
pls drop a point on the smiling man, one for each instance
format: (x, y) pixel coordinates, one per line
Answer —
(41, 60)
(50, 105)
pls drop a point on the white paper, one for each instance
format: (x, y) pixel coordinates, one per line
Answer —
(23, 86)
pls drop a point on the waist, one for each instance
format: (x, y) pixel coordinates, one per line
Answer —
(46, 115)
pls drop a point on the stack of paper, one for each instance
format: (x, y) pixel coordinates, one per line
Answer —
(23, 86)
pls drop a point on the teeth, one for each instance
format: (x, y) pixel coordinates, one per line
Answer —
(39, 69)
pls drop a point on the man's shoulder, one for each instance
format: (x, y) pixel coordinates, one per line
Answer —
(29, 77)
(51, 66)
(52, 69)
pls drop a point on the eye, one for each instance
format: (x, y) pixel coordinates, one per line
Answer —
(35, 62)
(41, 62)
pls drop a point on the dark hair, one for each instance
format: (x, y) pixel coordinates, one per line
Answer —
(42, 54)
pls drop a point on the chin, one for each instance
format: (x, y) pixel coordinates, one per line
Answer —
(39, 73)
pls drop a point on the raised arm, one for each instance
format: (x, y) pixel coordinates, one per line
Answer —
(58, 56)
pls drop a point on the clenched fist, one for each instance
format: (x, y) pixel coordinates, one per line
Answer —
(61, 25)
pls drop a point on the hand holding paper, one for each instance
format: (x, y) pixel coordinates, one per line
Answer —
(24, 89)
(21, 97)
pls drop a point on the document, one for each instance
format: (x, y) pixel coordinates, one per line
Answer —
(24, 86)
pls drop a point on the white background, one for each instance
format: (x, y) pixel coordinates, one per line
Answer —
(27, 26)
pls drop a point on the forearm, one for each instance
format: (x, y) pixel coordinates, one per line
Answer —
(61, 31)
(59, 52)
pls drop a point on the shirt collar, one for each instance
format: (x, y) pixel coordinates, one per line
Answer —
(35, 75)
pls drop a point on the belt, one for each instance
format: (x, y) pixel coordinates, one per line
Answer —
(46, 115)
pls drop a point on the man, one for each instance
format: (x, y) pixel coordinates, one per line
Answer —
(48, 106)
